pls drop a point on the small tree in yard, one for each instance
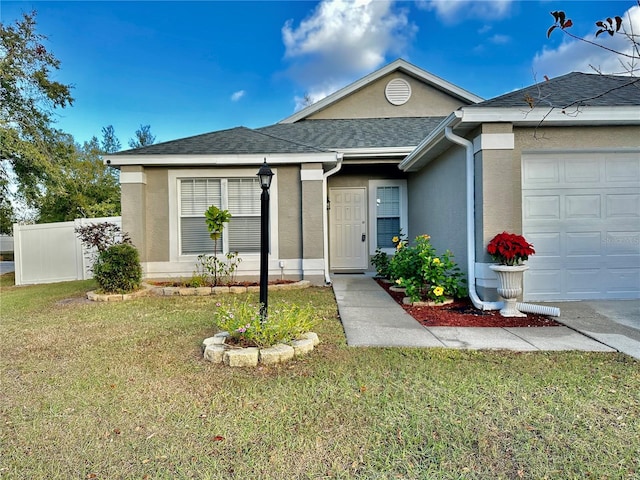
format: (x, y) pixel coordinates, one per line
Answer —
(211, 265)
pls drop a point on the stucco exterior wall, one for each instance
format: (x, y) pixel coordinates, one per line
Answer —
(133, 208)
(312, 213)
(289, 212)
(370, 102)
(157, 217)
(437, 204)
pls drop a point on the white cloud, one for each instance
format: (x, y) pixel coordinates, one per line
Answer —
(577, 56)
(499, 39)
(452, 11)
(238, 95)
(342, 39)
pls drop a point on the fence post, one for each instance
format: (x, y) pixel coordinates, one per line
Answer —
(17, 254)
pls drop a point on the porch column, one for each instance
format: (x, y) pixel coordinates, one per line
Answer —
(133, 198)
(498, 197)
(311, 176)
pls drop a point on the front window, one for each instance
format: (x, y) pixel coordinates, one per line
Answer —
(241, 196)
(387, 215)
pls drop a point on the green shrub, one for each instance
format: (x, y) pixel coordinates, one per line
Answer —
(117, 269)
(425, 275)
(381, 263)
(285, 322)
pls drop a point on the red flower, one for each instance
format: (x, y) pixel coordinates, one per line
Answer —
(509, 248)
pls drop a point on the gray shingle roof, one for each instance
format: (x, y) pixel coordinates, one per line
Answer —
(573, 89)
(307, 136)
(356, 133)
(236, 141)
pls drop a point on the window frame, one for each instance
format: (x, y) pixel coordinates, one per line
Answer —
(373, 215)
(176, 176)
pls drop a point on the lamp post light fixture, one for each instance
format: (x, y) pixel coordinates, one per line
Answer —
(264, 174)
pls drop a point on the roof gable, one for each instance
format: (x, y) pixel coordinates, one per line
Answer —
(397, 67)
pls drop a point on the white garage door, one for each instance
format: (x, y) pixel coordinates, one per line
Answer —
(581, 212)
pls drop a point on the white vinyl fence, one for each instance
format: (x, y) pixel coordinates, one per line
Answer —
(52, 252)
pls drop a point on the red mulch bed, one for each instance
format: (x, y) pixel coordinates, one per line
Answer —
(462, 313)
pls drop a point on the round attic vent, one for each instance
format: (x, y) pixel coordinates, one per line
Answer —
(398, 91)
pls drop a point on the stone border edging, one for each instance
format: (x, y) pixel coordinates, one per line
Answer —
(190, 291)
(116, 297)
(204, 291)
(215, 350)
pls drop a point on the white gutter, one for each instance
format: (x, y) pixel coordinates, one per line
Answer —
(325, 217)
(471, 250)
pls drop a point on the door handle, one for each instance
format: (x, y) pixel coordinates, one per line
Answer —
(364, 237)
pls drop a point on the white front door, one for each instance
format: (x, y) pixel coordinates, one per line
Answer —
(348, 227)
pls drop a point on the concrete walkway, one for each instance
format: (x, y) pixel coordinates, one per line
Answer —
(371, 318)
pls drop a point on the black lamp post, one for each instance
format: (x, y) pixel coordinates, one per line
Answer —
(264, 174)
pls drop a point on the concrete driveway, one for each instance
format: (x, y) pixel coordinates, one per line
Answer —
(615, 323)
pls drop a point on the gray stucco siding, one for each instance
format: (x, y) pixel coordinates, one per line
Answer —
(157, 217)
(437, 204)
(289, 212)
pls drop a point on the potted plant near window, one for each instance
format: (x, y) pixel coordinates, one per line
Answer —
(510, 251)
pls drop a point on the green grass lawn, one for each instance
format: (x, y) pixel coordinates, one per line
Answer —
(119, 390)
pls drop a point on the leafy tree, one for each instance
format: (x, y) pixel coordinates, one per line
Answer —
(86, 187)
(143, 137)
(28, 97)
(110, 143)
(7, 216)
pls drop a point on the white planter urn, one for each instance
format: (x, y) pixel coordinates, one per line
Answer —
(510, 287)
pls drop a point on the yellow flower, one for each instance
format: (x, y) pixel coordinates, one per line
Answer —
(399, 246)
(399, 281)
(436, 261)
(395, 239)
(426, 237)
(438, 291)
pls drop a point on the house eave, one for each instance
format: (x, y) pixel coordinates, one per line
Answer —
(426, 150)
(377, 153)
(540, 116)
(226, 160)
(467, 118)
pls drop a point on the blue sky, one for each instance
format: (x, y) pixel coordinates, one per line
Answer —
(192, 67)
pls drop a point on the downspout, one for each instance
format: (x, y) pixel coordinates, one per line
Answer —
(325, 217)
(471, 250)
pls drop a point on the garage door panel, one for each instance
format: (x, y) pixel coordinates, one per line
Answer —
(582, 214)
(543, 282)
(623, 280)
(545, 244)
(542, 173)
(623, 206)
(582, 171)
(623, 243)
(622, 170)
(582, 206)
(581, 244)
(542, 207)
(583, 280)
